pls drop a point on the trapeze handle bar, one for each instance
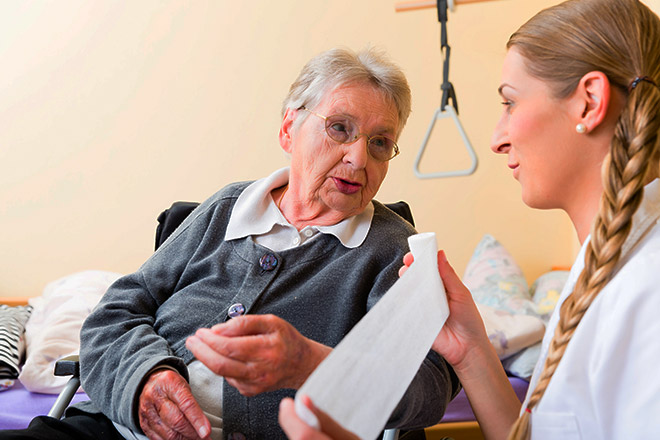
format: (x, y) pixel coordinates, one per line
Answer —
(427, 4)
(448, 112)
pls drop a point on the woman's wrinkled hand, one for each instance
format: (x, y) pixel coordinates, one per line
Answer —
(464, 329)
(296, 429)
(168, 410)
(257, 353)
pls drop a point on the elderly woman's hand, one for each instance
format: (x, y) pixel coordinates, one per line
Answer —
(296, 429)
(257, 353)
(167, 408)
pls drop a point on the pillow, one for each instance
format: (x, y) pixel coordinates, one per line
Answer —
(510, 333)
(5, 384)
(545, 292)
(496, 280)
(522, 363)
(53, 331)
(12, 329)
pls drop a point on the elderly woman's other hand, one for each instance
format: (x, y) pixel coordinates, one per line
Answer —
(296, 429)
(257, 353)
(167, 408)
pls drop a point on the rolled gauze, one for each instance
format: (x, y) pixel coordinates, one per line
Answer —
(360, 383)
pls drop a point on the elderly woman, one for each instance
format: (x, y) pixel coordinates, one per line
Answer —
(236, 309)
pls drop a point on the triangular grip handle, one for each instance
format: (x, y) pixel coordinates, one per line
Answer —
(447, 112)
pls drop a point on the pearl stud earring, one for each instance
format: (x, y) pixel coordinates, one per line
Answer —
(581, 128)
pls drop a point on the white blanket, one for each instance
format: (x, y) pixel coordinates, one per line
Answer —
(53, 330)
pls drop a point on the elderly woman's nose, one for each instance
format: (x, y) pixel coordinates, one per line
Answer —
(357, 153)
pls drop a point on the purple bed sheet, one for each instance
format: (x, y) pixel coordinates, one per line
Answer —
(18, 406)
(459, 409)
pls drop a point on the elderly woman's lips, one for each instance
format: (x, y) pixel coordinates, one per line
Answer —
(346, 186)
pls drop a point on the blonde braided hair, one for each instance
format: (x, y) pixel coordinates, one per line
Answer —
(620, 38)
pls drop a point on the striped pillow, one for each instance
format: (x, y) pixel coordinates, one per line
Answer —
(12, 327)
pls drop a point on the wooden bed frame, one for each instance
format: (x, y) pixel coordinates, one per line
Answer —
(14, 301)
(454, 430)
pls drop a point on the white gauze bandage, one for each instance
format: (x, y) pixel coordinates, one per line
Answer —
(360, 383)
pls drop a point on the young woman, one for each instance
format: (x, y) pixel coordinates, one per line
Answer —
(580, 127)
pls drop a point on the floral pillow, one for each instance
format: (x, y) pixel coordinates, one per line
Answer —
(510, 333)
(496, 280)
(514, 314)
(522, 363)
(545, 293)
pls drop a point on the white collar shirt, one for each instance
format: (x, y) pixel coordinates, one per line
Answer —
(256, 214)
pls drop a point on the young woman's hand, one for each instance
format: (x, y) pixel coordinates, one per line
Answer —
(296, 429)
(464, 329)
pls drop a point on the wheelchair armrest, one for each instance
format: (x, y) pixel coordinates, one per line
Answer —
(68, 366)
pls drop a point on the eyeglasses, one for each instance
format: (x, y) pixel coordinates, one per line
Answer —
(344, 130)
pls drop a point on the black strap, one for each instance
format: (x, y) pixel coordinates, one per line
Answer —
(447, 87)
(171, 218)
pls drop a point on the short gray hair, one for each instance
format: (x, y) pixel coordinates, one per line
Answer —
(337, 67)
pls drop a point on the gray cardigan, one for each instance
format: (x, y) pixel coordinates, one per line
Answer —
(321, 288)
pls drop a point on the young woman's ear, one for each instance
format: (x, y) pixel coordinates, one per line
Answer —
(591, 101)
(286, 129)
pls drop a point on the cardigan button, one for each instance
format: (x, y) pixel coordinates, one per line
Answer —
(235, 310)
(268, 262)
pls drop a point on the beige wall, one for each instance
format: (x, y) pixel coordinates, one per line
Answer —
(109, 111)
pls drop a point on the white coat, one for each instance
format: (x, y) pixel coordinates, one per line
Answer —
(607, 385)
